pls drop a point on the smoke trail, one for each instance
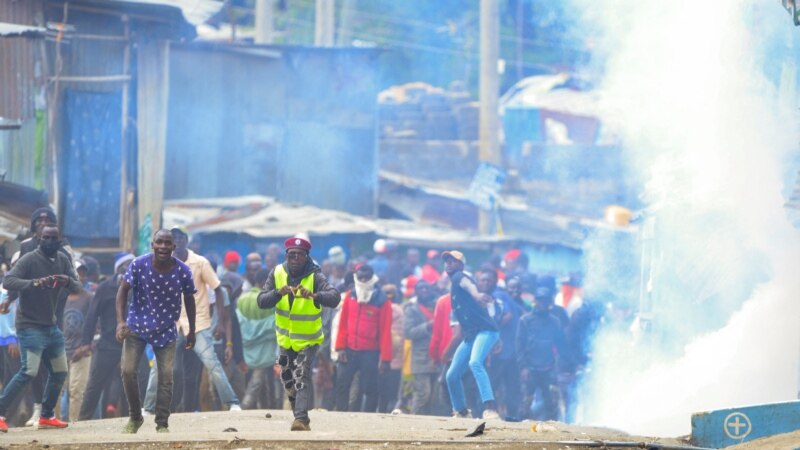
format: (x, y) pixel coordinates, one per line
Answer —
(692, 88)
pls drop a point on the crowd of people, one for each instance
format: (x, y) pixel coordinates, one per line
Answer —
(388, 331)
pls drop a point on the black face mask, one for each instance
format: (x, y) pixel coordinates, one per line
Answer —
(541, 310)
(50, 247)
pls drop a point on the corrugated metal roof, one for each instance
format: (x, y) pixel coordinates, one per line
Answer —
(18, 59)
(520, 222)
(14, 29)
(263, 217)
(547, 92)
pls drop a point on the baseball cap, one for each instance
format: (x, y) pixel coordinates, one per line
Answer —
(232, 256)
(121, 259)
(455, 254)
(180, 229)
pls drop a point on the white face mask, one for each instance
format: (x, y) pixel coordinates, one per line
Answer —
(364, 290)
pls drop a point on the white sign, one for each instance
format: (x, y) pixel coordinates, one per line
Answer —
(486, 185)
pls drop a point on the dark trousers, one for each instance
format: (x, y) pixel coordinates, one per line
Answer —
(365, 363)
(132, 350)
(504, 374)
(423, 393)
(236, 378)
(388, 388)
(541, 382)
(186, 376)
(105, 368)
(297, 378)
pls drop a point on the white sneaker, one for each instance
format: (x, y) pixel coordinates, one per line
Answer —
(145, 412)
(490, 414)
(34, 420)
(235, 408)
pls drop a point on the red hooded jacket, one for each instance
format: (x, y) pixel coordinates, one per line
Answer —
(366, 326)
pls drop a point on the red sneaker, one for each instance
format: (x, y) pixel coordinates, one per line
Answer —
(3, 425)
(51, 423)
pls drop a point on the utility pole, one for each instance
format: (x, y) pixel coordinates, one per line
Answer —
(265, 30)
(489, 93)
(324, 23)
(346, 10)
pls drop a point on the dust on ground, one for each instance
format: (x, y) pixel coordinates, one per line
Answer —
(786, 441)
(252, 429)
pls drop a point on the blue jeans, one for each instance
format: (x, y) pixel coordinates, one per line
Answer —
(473, 355)
(38, 345)
(204, 348)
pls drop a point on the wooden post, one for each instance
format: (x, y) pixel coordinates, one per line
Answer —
(265, 30)
(126, 194)
(324, 23)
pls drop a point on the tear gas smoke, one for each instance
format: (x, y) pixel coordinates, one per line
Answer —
(698, 91)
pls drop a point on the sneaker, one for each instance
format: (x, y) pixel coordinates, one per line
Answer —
(235, 408)
(490, 414)
(301, 425)
(465, 414)
(3, 425)
(34, 420)
(162, 429)
(145, 413)
(132, 426)
(51, 422)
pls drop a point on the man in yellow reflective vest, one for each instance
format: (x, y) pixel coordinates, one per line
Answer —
(298, 290)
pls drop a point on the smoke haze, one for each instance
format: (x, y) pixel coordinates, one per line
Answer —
(702, 96)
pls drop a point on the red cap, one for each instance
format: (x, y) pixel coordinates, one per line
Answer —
(409, 284)
(296, 242)
(512, 254)
(232, 256)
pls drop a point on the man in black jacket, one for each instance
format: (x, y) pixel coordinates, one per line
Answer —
(108, 351)
(40, 218)
(40, 276)
(540, 342)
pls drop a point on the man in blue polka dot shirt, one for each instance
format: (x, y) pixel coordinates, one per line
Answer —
(158, 281)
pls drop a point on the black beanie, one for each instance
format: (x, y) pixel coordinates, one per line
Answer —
(47, 210)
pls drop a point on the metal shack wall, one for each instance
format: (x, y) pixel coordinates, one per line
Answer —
(299, 126)
(225, 123)
(20, 72)
(331, 151)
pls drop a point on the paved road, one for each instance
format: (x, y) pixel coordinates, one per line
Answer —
(329, 430)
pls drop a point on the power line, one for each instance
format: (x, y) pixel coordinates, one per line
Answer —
(470, 56)
(436, 26)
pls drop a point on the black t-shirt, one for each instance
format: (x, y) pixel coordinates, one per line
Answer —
(103, 310)
(75, 312)
(471, 315)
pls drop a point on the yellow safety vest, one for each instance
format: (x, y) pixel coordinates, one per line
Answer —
(300, 325)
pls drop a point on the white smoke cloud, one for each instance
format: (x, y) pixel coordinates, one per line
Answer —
(686, 85)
